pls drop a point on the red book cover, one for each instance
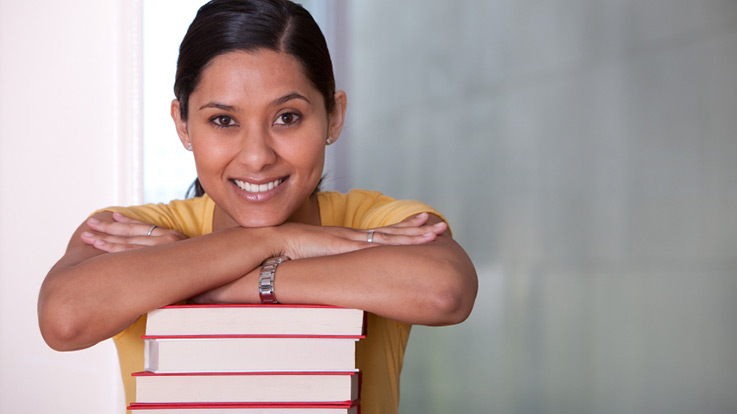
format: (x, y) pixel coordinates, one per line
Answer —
(250, 387)
(348, 407)
(342, 404)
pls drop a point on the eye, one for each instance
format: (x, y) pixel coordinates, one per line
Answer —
(222, 121)
(287, 118)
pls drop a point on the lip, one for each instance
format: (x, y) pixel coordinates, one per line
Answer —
(260, 196)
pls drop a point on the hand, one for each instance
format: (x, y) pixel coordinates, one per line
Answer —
(122, 233)
(302, 241)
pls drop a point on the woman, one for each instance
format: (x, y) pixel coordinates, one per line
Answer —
(257, 106)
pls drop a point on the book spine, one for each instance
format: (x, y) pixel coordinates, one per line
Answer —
(171, 374)
(233, 405)
(269, 336)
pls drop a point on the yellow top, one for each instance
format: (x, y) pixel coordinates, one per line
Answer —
(379, 356)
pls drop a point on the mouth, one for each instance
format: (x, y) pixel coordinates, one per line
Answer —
(258, 188)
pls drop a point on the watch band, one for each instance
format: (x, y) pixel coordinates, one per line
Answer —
(266, 278)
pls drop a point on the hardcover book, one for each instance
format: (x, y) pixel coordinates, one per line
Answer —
(184, 320)
(250, 359)
(247, 387)
(249, 354)
(283, 408)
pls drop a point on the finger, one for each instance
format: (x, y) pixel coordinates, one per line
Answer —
(437, 228)
(412, 221)
(137, 241)
(122, 218)
(138, 228)
(119, 228)
(404, 238)
(148, 227)
(105, 245)
(388, 239)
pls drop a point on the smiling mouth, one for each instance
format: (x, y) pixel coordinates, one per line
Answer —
(258, 188)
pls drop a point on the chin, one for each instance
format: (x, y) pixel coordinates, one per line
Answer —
(260, 221)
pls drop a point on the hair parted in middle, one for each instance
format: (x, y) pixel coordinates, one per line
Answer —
(223, 26)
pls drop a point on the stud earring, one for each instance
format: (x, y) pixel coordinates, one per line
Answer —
(189, 146)
(330, 140)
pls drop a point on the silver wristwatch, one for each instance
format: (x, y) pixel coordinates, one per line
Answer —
(266, 278)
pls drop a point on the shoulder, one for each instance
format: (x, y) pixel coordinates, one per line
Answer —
(365, 209)
(192, 216)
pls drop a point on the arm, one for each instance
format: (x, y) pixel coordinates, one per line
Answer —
(432, 283)
(91, 295)
(112, 273)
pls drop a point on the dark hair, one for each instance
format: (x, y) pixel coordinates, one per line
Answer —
(223, 26)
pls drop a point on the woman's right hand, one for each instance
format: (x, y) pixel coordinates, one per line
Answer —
(301, 241)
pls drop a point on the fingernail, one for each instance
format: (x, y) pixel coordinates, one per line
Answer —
(87, 234)
(93, 221)
(441, 224)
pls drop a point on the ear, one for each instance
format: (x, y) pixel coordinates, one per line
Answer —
(336, 119)
(180, 124)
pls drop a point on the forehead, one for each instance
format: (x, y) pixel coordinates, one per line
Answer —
(253, 75)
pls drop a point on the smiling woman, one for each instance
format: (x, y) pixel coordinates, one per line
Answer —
(258, 129)
(256, 104)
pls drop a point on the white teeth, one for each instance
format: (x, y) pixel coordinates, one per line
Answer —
(257, 188)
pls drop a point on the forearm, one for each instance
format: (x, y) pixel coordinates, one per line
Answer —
(85, 302)
(430, 284)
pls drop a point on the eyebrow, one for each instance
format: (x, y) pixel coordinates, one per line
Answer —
(288, 97)
(276, 102)
(218, 106)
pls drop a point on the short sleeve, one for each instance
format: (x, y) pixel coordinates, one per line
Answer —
(362, 209)
(192, 217)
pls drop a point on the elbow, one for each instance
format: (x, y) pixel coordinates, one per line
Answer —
(58, 338)
(450, 308)
(452, 303)
(60, 329)
(58, 341)
(59, 335)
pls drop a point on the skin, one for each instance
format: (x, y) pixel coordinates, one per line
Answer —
(258, 126)
(254, 117)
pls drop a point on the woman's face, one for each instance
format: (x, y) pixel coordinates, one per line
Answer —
(258, 130)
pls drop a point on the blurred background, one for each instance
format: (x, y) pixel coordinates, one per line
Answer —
(584, 153)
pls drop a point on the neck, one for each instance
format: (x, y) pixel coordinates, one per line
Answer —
(307, 213)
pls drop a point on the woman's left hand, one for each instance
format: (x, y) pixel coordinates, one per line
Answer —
(124, 233)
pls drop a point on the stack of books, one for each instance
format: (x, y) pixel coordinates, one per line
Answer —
(250, 359)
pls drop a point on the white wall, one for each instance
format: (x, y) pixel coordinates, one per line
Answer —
(65, 149)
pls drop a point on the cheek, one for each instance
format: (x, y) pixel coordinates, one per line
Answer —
(207, 160)
(309, 158)
(210, 164)
(210, 153)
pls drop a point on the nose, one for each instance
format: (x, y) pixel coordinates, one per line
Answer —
(257, 151)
